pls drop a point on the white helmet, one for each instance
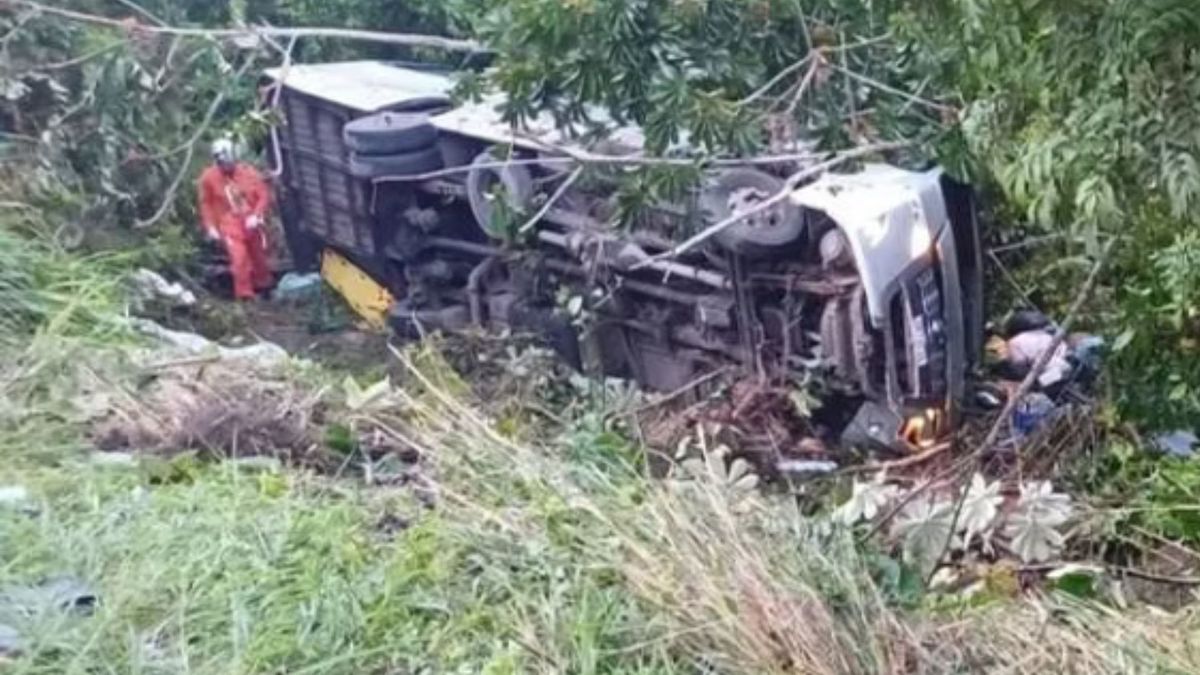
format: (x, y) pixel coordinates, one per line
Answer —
(223, 151)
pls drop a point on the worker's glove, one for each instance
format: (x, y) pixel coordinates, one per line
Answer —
(211, 234)
(253, 222)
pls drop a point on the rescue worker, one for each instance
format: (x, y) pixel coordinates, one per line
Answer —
(234, 203)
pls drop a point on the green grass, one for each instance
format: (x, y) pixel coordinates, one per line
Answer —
(46, 290)
(529, 564)
(548, 551)
(236, 572)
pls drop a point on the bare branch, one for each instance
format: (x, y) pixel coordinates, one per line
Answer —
(1044, 359)
(277, 96)
(813, 68)
(558, 194)
(579, 157)
(88, 56)
(963, 464)
(1012, 281)
(408, 39)
(143, 11)
(184, 166)
(858, 44)
(789, 186)
(872, 82)
(466, 168)
(779, 77)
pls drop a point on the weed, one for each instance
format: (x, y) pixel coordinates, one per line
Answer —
(546, 551)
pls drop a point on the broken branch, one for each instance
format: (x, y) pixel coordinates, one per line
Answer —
(779, 77)
(190, 152)
(558, 194)
(804, 84)
(1027, 385)
(407, 39)
(1044, 358)
(789, 186)
(1006, 413)
(872, 82)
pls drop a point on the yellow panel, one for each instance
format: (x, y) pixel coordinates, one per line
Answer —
(365, 296)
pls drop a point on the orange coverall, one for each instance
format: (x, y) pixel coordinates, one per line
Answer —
(227, 200)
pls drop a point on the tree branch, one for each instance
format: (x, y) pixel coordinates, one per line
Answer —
(59, 65)
(809, 76)
(778, 77)
(789, 186)
(184, 166)
(143, 11)
(1026, 386)
(558, 194)
(1006, 413)
(1044, 359)
(407, 39)
(872, 82)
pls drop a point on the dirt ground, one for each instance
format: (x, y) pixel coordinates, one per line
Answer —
(321, 330)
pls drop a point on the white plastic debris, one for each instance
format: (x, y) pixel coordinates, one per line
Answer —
(188, 342)
(806, 466)
(259, 464)
(113, 459)
(149, 285)
(1177, 443)
(11, 495)
(295, 286)
(265, 354)
(10, 640)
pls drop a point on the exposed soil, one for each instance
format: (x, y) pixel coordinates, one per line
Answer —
(321, 330)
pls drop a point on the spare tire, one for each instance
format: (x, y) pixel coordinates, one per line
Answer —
(401, 164)
(389, 133)
(483, 178)
(736, 190)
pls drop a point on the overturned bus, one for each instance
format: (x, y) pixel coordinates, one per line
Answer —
(870, 279)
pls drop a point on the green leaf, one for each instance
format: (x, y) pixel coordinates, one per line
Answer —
(867, 500)
(980, 507)
(925, 530)
(340, 439)
(1123, 340)
(1079, 584)
(1033, 526)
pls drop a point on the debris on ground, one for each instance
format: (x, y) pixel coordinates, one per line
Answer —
(60, 594)
(147, 286)
(11, 643)
(805, 467)
(259, 464)
(66, 595)
(13, 495)
(222, 408)
(180, 413)
(113, 459)
(761, 423)
(262, 354)
(296, 287)
(1181, 443)
(1031, 412)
